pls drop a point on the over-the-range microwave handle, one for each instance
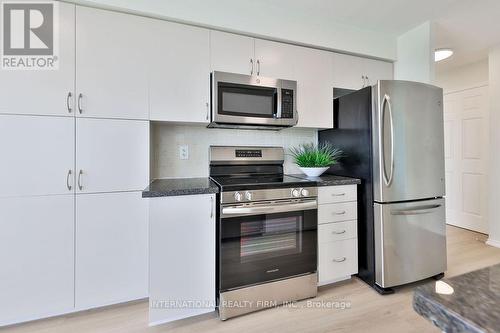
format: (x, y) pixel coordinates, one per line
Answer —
(387, 179)
(268, 209)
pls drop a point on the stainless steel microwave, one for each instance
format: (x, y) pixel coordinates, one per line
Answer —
(240, 101)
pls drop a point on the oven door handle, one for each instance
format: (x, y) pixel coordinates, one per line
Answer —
(269, 209)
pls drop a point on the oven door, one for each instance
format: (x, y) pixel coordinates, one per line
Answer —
(266, 241)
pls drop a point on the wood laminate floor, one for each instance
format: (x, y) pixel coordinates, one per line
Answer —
(368, 312)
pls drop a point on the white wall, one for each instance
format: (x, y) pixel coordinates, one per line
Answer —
(464, 77)
(415, 55)
(166, 139)
(494, 182)
(250, 17)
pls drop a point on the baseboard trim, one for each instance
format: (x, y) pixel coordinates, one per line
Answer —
(492, 242)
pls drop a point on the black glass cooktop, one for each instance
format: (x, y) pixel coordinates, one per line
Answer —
(241, 183)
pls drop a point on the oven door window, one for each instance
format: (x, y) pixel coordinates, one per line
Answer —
(247, 101)
(260, 248)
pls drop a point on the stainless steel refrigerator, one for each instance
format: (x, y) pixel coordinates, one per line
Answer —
(392, 137)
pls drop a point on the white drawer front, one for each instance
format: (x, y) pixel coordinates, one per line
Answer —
(344, 211)
(338, 259)
(331, 232)
(333, 194)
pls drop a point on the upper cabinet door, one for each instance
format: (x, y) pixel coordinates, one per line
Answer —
(38, 155)
(111, 64)
(276, 60)
(348, 71)
(377, 70)
(314, 88)
(44, 92)
(232, 53)
(112, 155)
(179, 72)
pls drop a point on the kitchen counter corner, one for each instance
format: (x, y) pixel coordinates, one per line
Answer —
(179, 186)
(330, 180)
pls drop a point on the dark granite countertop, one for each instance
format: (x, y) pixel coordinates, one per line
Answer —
(179, 186)
(330, 180)
(473, 305)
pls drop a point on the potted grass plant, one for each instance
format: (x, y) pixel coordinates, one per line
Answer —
(314, 160)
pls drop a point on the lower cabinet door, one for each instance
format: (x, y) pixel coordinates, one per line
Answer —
(111, 248)
(182, 246)
(337, 260)
(36, 257)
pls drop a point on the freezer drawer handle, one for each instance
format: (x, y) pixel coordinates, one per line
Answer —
(339, 259)
(338, 232)
(339, 213)
(415, 211)
(338, 194)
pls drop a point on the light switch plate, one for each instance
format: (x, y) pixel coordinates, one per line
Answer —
(183, 152)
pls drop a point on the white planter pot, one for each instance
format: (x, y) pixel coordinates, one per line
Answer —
(313, 172)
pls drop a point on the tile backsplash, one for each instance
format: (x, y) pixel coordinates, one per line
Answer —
(167, 138)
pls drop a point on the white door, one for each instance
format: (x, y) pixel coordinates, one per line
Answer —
(44, 92)
(179, 269)
(466, 128)
(348, 71)
(179, 59)
(111, 248)
(375, 70)
(37, 154)
(314, 88)
(111, 64)
(111, 155)
(36, 256)
(232, 53)
(276, 60)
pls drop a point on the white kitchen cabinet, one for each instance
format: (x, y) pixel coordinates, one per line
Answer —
(44, 92)
(350, 72)
(232, 53)
(179, 70)
(182, 256)
(337, 233)
(36, 256)
(38, 155)
(276, 60)
(111, 155)
(314, 77)
(112, 59)
(111, 263)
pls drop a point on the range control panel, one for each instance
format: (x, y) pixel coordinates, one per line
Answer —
(248, 153)
(286, 103)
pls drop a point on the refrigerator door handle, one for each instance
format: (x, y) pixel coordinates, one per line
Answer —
(416, 210)
(387, 179)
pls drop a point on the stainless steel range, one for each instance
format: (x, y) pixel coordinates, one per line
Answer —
(267, 231)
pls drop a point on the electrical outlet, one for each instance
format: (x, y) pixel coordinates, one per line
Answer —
(183, 152)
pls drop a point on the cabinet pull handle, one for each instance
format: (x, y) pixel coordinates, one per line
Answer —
(338, 232)
(258, 67)
(68, 185)
(338, 194)
(208, 111)
(80, 96)
(211, 206)
(367, 80)
(251, 66)
(364, 81)
(339, 259)
(339, 213)
(80, 186)
(68, 105)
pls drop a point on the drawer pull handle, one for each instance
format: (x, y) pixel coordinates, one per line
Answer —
(338, 194)
(339, 259)
(338, 232)
(339, 213)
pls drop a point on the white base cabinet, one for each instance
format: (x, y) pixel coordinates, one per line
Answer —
(36, 257)
(182, 260)
(111, 262)
(337, 233)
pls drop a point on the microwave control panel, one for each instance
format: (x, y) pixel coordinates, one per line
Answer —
(287, 103)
